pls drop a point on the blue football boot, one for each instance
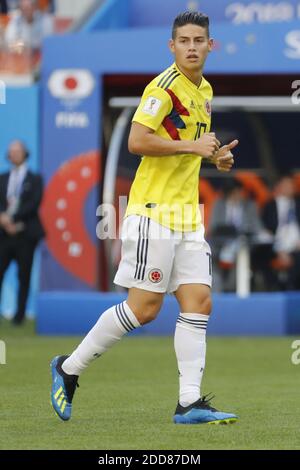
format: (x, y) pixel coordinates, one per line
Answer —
(63, 388)
(200, 412)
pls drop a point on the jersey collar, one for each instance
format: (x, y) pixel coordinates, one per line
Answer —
(187, 80)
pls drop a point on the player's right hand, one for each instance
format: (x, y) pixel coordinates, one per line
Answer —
(207, 145)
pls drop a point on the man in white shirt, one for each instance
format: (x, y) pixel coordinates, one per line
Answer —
(233, 215)
(281, 217)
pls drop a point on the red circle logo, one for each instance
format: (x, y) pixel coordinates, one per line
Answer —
(155, 275)
(71, 83)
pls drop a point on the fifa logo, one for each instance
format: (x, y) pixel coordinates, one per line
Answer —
(2, 353)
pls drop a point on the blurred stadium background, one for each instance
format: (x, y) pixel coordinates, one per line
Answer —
(71, 101)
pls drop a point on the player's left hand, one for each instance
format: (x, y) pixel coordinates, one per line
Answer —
(223, 158)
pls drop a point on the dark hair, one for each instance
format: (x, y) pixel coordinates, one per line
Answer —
(190, 17)
(230, 185)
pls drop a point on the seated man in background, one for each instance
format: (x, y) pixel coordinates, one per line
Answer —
(281, 217)
(233, 215)
(28, 26)
(20, 227)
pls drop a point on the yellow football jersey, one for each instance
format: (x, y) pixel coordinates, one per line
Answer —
(166, 188)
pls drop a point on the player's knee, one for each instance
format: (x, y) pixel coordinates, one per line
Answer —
(145, 305)
(198, 304)
(150, 312)
(146, 312)
(206, 305)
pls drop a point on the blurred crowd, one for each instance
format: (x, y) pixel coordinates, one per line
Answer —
(271, 235)
(23, 26)
(29, 23)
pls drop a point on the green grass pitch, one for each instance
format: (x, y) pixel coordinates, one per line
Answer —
(127, 397)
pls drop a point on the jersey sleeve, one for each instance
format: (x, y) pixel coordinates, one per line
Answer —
(155, 105)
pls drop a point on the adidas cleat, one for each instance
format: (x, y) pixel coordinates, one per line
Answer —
(63, 388)
(201, 412)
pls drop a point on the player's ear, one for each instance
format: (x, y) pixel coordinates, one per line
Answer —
(210, 44)
(171, 46)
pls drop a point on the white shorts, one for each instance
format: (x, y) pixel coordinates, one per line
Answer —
(158, 259)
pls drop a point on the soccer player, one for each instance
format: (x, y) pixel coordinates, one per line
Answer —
(163, 245)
